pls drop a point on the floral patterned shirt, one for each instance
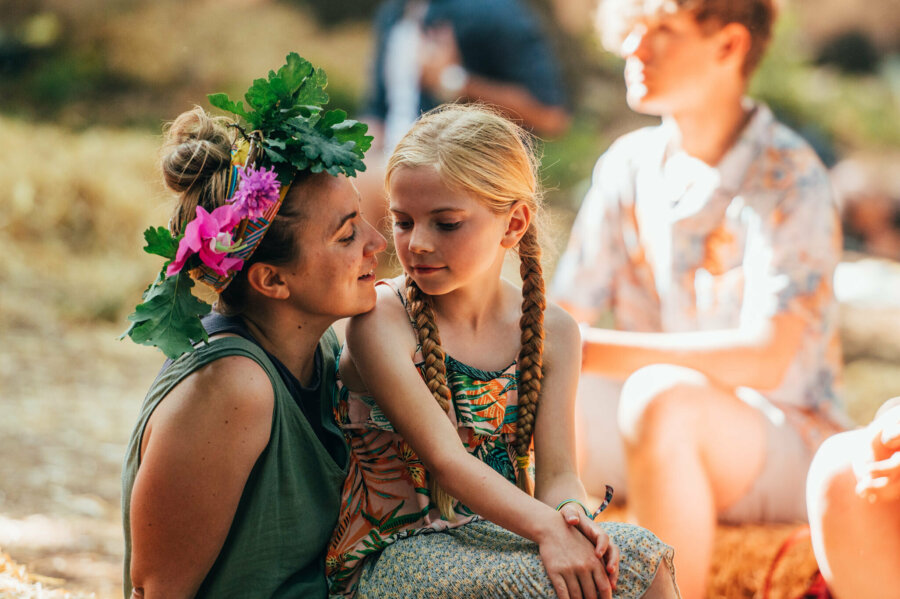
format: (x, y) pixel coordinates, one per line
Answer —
(667, 243)
(385, 496)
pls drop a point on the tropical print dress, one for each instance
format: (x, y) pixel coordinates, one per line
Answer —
(385, 495)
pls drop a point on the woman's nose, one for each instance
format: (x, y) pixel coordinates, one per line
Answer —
(375, 242)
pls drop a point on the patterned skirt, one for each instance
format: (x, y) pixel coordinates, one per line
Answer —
(483, 560)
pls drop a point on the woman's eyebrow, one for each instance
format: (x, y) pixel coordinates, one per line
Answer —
(346, 217)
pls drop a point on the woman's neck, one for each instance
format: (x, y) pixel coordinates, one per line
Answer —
(293, 340)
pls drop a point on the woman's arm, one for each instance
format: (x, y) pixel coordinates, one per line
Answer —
(392, 379)
(196, 454)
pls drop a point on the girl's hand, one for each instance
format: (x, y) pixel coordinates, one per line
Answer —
(878, 469)
(603, 547)
(574, 569)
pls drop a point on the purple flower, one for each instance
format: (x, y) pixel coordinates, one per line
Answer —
(209, 235)
(257, 190)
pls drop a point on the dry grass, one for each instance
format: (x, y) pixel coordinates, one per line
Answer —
(17, 581)
(70, 231)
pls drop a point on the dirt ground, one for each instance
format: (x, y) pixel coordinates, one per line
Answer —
(66, 410)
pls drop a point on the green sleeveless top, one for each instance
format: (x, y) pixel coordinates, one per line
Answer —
(289, 507)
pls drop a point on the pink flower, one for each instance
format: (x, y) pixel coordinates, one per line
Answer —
(258, 190)
(209, 235)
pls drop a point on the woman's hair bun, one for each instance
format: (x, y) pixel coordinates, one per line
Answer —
(197, 146)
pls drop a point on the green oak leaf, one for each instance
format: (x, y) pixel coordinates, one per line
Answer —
(169, 317)
(312, 89)
(160, 242)
(286, 107)
(354, 131)
(294, 71)
(223, 102)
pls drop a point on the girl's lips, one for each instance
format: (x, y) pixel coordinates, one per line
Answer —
(424, 270)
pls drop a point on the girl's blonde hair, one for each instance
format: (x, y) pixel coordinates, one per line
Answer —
(477, 151)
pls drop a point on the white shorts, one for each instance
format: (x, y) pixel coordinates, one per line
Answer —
(777, 495)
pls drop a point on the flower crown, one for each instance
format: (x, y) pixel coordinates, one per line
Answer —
(290, 132)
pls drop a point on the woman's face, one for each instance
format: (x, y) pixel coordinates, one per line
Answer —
(334, 273)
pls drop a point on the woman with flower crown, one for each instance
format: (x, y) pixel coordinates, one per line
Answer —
(232, 478)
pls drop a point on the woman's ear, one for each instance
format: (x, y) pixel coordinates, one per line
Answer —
(267, 280)
(518, 220)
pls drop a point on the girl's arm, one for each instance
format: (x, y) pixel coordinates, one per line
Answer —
(392, 379)
(556, 477)
(196, 454)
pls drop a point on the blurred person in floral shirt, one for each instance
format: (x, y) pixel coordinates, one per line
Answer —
(711, 241)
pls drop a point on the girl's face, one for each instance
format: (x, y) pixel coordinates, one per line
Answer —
(444, 238)
(334, 274)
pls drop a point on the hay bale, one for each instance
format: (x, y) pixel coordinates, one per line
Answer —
(742, 558)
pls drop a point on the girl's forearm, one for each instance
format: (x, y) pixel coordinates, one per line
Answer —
(559, 488)
(494, 498)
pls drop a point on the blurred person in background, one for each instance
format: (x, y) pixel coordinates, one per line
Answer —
(711, 241)
(853, 494)
(431, 52)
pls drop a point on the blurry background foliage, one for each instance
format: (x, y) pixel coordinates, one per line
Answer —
(85, 86)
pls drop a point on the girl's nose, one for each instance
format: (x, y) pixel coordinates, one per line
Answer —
(418, 241)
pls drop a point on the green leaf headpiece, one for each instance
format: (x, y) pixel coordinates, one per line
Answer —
(284, 131)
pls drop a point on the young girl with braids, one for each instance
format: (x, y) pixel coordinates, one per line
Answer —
(449, 379)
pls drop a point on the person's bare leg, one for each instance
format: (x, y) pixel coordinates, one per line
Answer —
(598, 443)
(692, 450)
(663, 586)
(856, 543)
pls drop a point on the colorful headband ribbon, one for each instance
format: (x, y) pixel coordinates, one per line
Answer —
(255, 194)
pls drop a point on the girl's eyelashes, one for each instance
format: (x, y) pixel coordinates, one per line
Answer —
(406, 223)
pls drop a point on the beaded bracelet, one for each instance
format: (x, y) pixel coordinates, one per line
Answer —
(567, 501)
(607, 498)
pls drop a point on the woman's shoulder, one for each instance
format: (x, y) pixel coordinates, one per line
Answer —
(231, 382)
(229, 393)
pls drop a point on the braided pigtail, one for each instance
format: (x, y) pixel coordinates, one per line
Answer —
(531, 354)
(435, 373)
